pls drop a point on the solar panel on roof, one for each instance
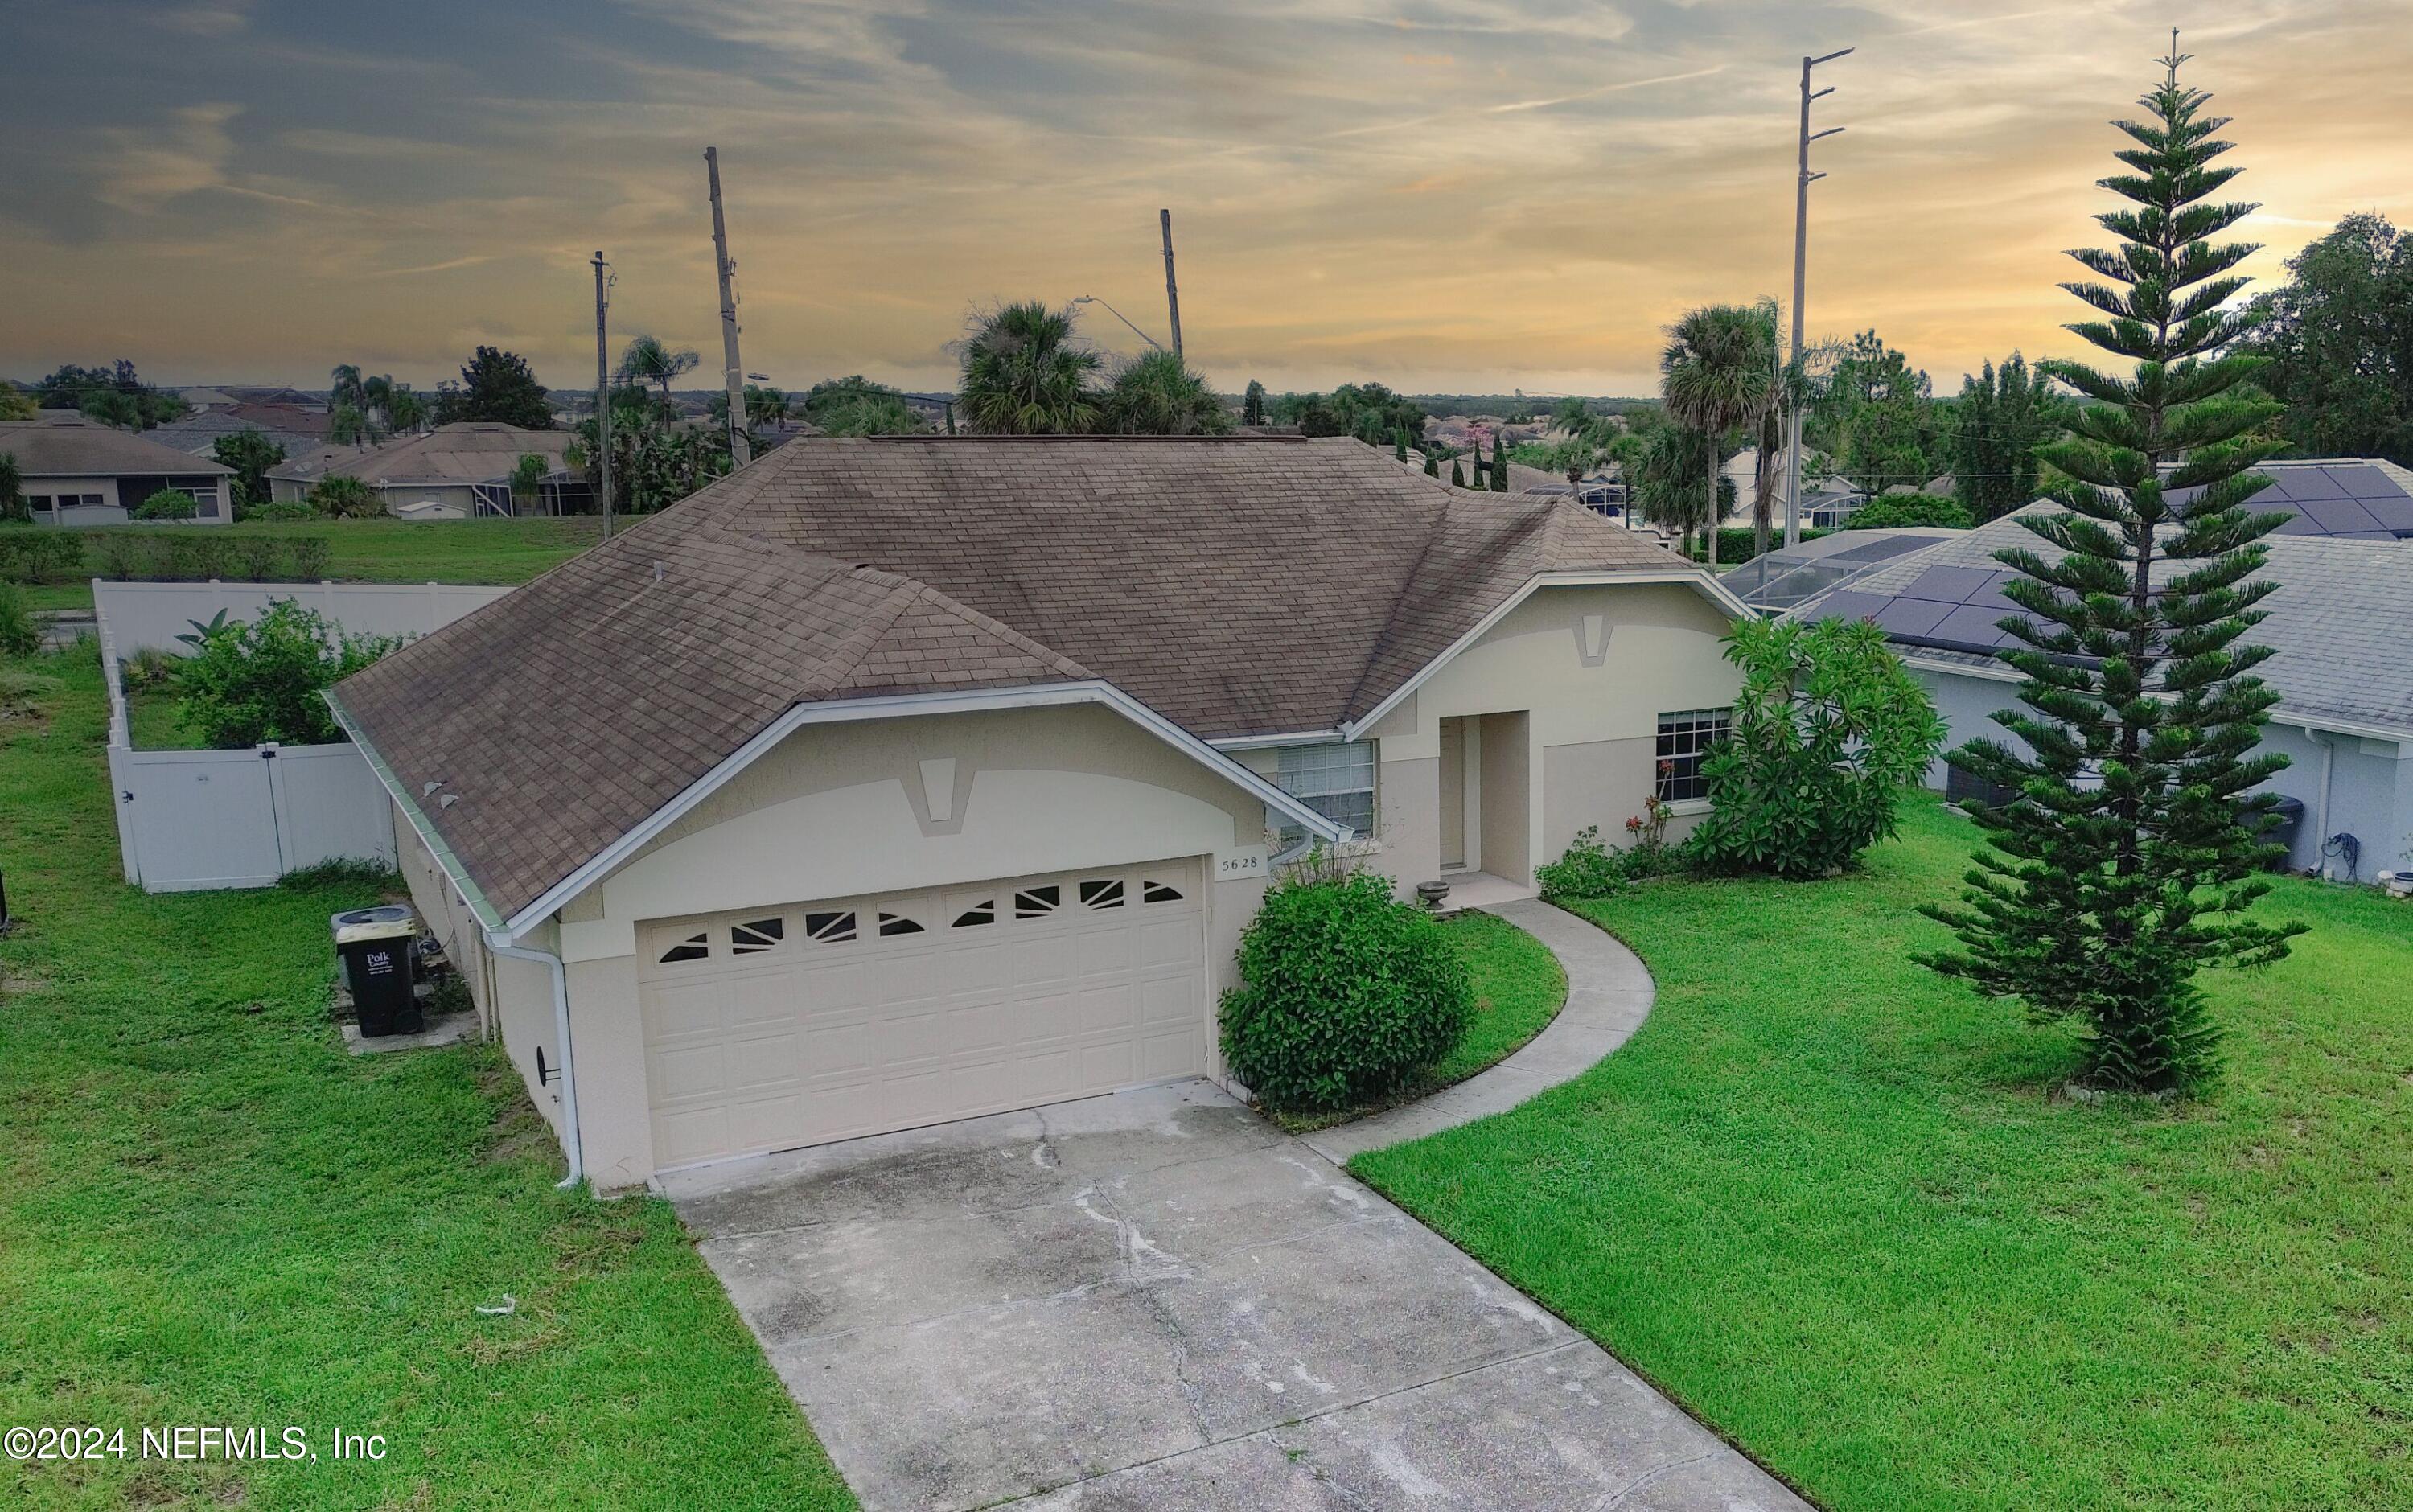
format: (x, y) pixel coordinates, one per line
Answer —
(1852, 604)
(1909, 618)
(2306, 485)
(1950, 584)
(1881, 549)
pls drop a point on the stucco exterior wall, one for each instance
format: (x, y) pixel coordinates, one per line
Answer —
(2369, 782)
(892, 804)
(1595, 666)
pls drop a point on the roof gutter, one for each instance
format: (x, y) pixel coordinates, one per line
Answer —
(1699, 581)
(1995, 672)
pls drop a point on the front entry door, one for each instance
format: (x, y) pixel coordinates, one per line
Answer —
(1453, 794)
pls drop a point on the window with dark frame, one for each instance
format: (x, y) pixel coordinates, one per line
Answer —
(1684, 738)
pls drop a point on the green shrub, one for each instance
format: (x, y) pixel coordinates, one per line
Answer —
(149, 667)
(249, 682)
(1587, 869)
(176, 559)
(1347, 994)
(261, 557)
(339, 496)
(1829, 728)
(284, 510)
(311, 555)
(212, 554)
(55, 556)
(366, 873)
(1737, 542)
(123, 556)
(19, 635)
(1901, 511)
(166, 504)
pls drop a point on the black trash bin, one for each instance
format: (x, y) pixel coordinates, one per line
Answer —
(374, 945)
(2286, 816)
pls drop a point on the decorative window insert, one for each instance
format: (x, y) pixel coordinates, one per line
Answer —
(830, 928)
(978, 914)
(1037, 902)
(694, 947)
(754, 937)
(1335, 778)
(1106, 893)
(1684, 738)
(892, 925)
(1157, 892)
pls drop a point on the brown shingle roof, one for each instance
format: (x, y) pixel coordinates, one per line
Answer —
(72, 448)
(1234, 591)
(465, 451)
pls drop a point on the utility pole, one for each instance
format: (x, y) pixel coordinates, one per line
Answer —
(1804, 178)
(1172, 299)
(602, 393)
(740, 452)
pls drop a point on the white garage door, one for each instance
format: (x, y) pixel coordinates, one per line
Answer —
(770, 1027)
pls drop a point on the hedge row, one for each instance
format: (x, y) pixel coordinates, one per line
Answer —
(187, 556)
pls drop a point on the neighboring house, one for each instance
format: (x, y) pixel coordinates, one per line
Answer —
(451, 472)
(297, 431)
(895, 781)
(80, 472)
(1785, 578)
(2340, 624)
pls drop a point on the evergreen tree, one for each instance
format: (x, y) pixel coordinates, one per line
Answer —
(1457, 474)
(1400, 444)
(1252, 404)
(2003, 415)
(497, 385)
(1498, 465)
(1432, 463)
(2133, 850)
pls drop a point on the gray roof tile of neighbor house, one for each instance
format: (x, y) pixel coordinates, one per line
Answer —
(1231, 596)
(2339, 624)
(465, 451)
(71, 449)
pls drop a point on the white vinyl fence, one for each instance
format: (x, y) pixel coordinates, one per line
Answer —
(196, 819)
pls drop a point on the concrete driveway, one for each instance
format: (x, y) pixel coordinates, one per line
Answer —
(1156, 1300)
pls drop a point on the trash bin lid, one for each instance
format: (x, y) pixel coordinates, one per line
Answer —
(387, 921)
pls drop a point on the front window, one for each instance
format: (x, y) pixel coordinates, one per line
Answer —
(1335, 778)
(1684, 738)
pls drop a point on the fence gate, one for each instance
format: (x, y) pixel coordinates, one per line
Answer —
(197, 819)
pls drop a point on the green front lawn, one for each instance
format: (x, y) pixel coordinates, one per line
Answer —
(210, 1214)
(1828, 1201)
(390, 550)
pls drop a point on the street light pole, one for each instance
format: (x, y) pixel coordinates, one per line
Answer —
(1092, 299)
(1803, 178)
(602, 394)
(733, 372)
(1172, 299)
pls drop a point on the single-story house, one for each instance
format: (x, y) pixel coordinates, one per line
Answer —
(297, 431)
(893, 780)
(2340, 625)
(80, 471)
(451, 472)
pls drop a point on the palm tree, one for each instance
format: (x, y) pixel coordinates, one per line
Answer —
(1156, 396)
(348, 421)
(647, 361)
(1671, 480)
(344, 387)
(1025, 373)
(405, 409)
(1718, 373)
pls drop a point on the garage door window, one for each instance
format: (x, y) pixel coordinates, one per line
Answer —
(978, 914)
(694, 948)
(830, 928)
(1037, 902)
(1157, 892)
(893, 925)
(1105, 894)
(756, 937)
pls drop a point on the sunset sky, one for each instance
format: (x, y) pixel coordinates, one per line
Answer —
(1475, 195)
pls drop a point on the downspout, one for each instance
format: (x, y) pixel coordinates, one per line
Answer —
(2321, 830)
(571, 1144)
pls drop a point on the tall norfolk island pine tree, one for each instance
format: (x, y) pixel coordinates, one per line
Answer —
(2132, 853)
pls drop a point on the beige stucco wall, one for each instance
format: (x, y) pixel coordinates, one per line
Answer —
(892, 804)
(1596, 665)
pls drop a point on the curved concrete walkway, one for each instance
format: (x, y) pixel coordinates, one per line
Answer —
(1608, 996)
